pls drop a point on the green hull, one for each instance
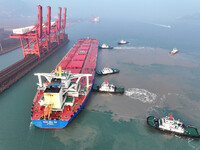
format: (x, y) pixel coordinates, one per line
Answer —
(119, 90)
(95, 87)
(190, 131)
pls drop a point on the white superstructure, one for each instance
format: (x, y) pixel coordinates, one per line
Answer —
(106, 87)
(104, 46)
(107, 70)
(170, 124)
(122, 42)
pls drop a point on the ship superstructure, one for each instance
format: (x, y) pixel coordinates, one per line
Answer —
(66, 89)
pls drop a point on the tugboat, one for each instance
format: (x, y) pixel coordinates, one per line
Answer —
(174, 51)
(122, 42)
(169, 124)
(106, 87)
(105, 46)
(107, 70)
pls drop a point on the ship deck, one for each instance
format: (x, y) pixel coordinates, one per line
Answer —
(80, 59)
(192, 131)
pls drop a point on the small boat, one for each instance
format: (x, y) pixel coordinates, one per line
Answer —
(106, 87)
(107, 70)
(174, 51)
(122, 42)
(105, 46)
(169, 124)
(95, 19)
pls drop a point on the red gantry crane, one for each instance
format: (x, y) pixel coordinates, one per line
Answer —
(42, 37)
(38, 42)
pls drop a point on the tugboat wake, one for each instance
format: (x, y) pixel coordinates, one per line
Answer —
(141, 95)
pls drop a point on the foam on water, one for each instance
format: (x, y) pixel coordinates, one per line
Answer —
(141, 95)
(31, 125)
(192, 144)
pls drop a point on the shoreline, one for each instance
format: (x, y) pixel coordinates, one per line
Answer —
(10, 49)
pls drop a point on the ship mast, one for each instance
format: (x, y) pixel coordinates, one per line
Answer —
(1, 47)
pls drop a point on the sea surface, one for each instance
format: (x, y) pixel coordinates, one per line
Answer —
(155, 82)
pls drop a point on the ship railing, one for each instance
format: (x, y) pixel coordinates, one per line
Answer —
(41, 88)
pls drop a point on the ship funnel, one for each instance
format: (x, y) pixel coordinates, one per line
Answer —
(106, 81)
(171, 116)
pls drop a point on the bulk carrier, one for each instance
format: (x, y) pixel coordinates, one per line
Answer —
(67, 88)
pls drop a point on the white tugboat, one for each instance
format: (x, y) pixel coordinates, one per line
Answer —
(174, 51)
(106, 87)
(122, 42)
(107, 70)
(105, 46)
(169, 124)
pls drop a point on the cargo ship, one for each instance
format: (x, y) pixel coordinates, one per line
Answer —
(169, 124)
(66, 89)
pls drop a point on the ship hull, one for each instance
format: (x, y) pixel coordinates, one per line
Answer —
(170, 132)
(173, 53)
(57, 124)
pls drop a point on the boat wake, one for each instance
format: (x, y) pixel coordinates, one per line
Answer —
(162, 25)
(31, 126)
(141, 95)
(127, 47)
(192, 144)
